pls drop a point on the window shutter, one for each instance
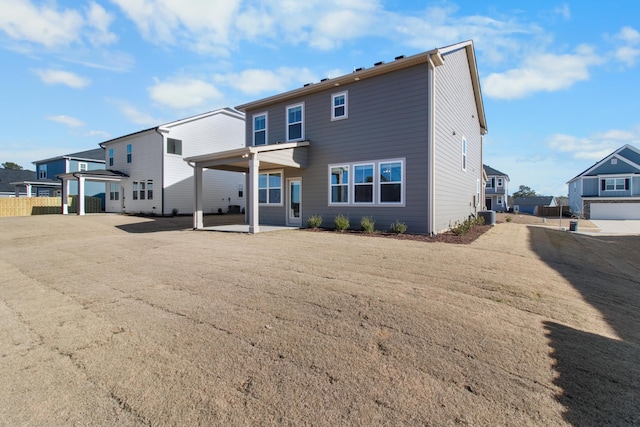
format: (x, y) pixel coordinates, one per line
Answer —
(626, 184)
(602, 184)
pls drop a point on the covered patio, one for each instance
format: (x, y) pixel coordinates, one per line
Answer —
(250, 160)
(105, 176)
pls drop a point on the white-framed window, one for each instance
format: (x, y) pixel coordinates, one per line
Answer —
(499, 182)
(150, 189)
(111, 155)
(260, 129)
(82, 167)
(295, 122)
(464, 153)
(376, 183)
(339, 106)
(114, 191)
(363, 183)
(174, 146)
(43, 193)
(339, 184)
(614, 184)
(142, 190)
(270, 188)
(42, 172)
(500, 200)
(490, 183)
(129, 153)
(134, 194)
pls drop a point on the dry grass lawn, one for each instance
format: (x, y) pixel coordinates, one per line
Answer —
(116, 320)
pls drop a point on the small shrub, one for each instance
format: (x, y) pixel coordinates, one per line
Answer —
(398, 227)
(341, 223)
(314, 221)
(460, 228)
(367, 224)
(174, 211)
(508, 219)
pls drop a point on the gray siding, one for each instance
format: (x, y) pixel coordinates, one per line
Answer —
(621, 167)
(456, 116)
(387, 120)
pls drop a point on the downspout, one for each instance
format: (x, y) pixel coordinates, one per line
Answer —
(430, 138)
(162, 145)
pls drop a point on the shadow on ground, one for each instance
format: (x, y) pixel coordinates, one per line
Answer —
(599, 376)
(177, 223)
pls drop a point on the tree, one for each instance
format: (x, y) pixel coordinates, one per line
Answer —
(524, 191)
(11, 165)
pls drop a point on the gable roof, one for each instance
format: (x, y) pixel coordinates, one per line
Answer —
(434, 56)
(7, 176)
(627, 153)
(94, 155)
(226, 110)
(491, 171)
(533, 201)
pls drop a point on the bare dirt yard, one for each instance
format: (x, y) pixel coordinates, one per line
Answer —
(117, 320)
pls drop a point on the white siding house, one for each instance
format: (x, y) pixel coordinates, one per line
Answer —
(146, 171)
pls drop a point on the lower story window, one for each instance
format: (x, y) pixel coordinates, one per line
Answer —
(376, 183)
(114, 191)
(270, 188)
(142, 190)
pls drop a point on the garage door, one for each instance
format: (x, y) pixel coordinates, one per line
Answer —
(615, 211)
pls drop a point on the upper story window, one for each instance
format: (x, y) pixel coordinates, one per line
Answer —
(499, 182)
(174, 146)
(295, 122)
(270, 188)
(42, 172)
(614, 184)
(490, 183)
(260, 129)
(111, 158)
(83, 166)
(464, 154)
(339, 106)
(129, 153)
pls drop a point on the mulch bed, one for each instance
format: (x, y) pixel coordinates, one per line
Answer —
(448, 237)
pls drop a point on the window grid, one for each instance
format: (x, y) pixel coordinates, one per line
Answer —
(260, 129)
(375, 183)
(129, 153)
(270, 188)
(339, 106)
(295, 122)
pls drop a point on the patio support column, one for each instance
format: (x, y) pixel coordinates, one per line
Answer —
(81, 195)
(28, 189)
(254, 172)
(198, 222)
(65, 196)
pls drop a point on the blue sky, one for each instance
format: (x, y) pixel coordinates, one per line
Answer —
(560, 80)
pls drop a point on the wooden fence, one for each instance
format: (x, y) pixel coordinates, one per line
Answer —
(25, 206)
(551, 211)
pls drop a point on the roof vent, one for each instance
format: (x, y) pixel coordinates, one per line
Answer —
(378, 63)
(358, 69)
(400, 57)
(324, 80)
(307, 84)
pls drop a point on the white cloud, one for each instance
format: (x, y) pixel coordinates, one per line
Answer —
(184, 93)
(256, 81)
(66, 120)
(70, 79)
(134, 115)
(563, 10)
(630, 50)
(595, 146)
(49, 26)
(542, 72)
(98, 133)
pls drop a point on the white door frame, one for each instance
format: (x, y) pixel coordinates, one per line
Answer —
(291, 220)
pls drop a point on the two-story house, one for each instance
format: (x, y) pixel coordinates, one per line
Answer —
(145, 171)
(496, 190)
(396, 141)
(47, 184)
(610, 189)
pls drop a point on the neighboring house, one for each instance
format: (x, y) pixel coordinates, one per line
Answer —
(496, 190)
(530, 205)
(12, 182)
(146, 172)
(610, 189)
(396, 141)
(46, 183)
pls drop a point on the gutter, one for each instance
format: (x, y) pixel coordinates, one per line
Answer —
(162, 145)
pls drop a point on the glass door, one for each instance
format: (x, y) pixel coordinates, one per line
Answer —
(294, 211)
